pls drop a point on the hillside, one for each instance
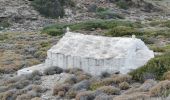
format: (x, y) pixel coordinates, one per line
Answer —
(21, 16)
(28, 28)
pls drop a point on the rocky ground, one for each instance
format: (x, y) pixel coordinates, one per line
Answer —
(21, 17)
(74, 84)
(23, 45)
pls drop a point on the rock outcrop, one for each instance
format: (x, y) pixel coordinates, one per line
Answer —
(97, 54)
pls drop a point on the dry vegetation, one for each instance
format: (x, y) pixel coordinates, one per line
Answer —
(21, 87)
(20, 50)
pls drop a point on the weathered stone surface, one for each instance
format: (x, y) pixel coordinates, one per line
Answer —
(97, 54)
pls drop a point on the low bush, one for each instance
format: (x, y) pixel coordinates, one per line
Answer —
(101, 9)
(90, 25)
(166, 76)
(53, 70)
(3, 37)
(3, 89)
(104, 97)
(4, 24)
(74, 71)
(71, 80)
(155, 67)
(109, 90)
(21, 84)
(92, 8)
(167, 23)
(27, 96)
(83, 76)
(38, 89)
(8, 95)
(71, 94)
(147, 85)
(51, 8)
(124, 86)
(133, 96)
(61, 89)
(109, 15)
(103, 82)
(44, 44)
(157, 49)
(54, 32)
(147, 39)
(161, 89)
(122, 4)
(123, 78)
(87, 95)
(21, 87)
(124, 31)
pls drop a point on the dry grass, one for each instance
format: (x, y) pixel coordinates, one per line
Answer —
(71, 94)
(114, 79)
(6, 95)
(166, 76)
(123, 78)
(133, 96)
(71, 80)
(20, 50)
(110, 90)
(161, 89)
(100, 83)
(61, 89)
(124, 86)
(83, 76)
(87, 95)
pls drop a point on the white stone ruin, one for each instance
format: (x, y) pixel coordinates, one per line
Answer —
(96, 54)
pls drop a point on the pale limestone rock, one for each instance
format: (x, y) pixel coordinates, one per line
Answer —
(96, 54)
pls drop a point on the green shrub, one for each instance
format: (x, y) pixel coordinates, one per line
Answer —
(122, 4)
(155, 67)
(108, 15)
(57, 29)
(123, 31)
(155, 23)
(146, 39)
(44, 44)
(157, 49)
(167, 24)
(53, 32)
(51, 8)
(53, 70)
(3, 37)
(4, 24)
(101, 9)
